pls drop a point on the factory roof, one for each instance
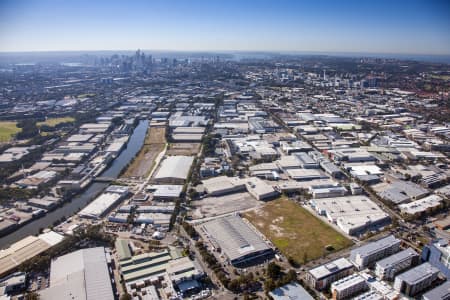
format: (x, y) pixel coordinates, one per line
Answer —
(27, 248)
(166, 190)
(421, 205)
(122, 248)
(82, 274)
(175, 167)
(234, 237)
(97, 208)
(349, 208)
(222, 183)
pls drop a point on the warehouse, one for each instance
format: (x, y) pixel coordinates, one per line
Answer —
(259, 189)
(94, 128)
(27, 248)
(240, 243)
(353, 214)
(422, 206)
(400, 191)
(189, 130)
(326, 191)
(102, 204)
(187, 137)
(305, 174)
(222, 185)
(82, 274)
(174, 169)
(156, 219)
(164, 192)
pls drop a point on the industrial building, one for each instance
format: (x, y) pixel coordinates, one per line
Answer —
(103, 203)
(12, 284)
(401, 191)
(259, 189)
(416, 280)
(327, 191)
(174, 170)
(145, 269)
(348, 286)
(305, 174)
(321, 277)
(367, 255)
(143, 266)
(163, 192)
(240, 243)
(82, 274)
(27, 248)
(353, 214)
(389, 267)
(222, 185)
(421, 206)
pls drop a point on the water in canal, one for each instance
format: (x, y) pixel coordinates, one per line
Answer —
(78, 202)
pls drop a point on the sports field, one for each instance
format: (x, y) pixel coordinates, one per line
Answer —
(55, 121)
(295, 231)
(7, 130)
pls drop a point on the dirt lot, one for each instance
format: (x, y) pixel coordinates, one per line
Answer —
(153, 145)
(295, 231)
(184, 149)
(216, 206)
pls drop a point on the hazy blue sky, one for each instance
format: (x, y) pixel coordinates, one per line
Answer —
(376, 26)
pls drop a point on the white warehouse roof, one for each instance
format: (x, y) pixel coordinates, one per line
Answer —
(81, 275)
(175, 167)
(101, 204)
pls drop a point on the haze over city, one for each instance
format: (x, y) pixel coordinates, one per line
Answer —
(396, 27)
(224, 150)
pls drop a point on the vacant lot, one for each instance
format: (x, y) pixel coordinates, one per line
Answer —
(7, 130)
(296, 232)
(184, 149)
(153, 145)
(216, 206)
(55, 121)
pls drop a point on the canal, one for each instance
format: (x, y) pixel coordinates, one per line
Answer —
(78, 202)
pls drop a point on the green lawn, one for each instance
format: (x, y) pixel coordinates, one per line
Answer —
(295, 231)
(55, 121)
(7, 130)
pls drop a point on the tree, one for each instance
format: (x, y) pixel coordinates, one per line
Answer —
(269, 285)
(117, 121)
(29, 129)
(305, 257)
(32, 296)
(273, 270)
(126, 296)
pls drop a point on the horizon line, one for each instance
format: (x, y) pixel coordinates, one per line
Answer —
(235, 51)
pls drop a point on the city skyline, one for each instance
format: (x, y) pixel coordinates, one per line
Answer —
(385, 27)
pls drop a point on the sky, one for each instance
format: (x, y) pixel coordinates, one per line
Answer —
(360, 26)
